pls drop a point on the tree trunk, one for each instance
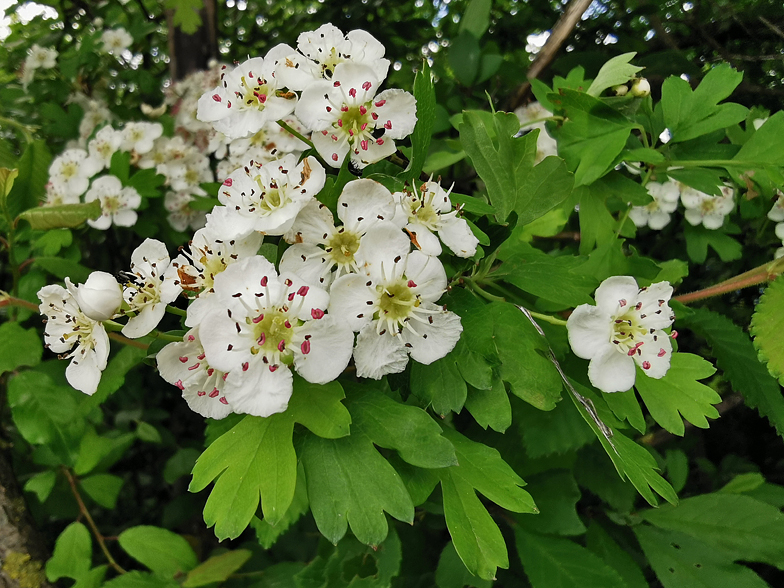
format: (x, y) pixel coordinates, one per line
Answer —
(192, 52)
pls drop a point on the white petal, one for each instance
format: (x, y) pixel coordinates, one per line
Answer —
(382, 245)
(363, 203)
(377, 355)
(309, 262)
(83, 373)
(589, 329)
(433, 340)
(352, 300)
(399, 111)
(331, 147)
(314, 224)
(458, 236)
(330, 348)
(612, 371)
(423, 239)
(615, 293)
(144, 322)
(226, 349)
(258, 391)
(428, 274)
(654, 355)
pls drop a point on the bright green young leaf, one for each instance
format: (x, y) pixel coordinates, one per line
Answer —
(626, 407)
(535, 272)
(51, 242)
(217, 568)
(350, 483)
(743, 483)
(121, 166)
(148, 433)
(735, 355)
(47, 414)
(556, 494)
(680, 561)
(592, 137)
(7, 177)
(599, 542)
(19, 347)
(506, 165)
(41, 484)
(103, 489)
(547, 432)
(553, 561)
(706, 180)
(631, 460)
(147, 183)
(394, 425)
(30, 185)
(679, 393)
(267, 534)
(318, 407)
(491, 407)
(737, 524)
(645, 155)
(616, 71)
(452, 573)
(73, 553)
(163, 552)
(66, 216)
(255, 460)
(597, 225)
(767, 327)
(425, 94)
(764, 146)
(476, 18)
(99, 452)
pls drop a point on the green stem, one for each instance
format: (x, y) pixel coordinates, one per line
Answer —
(24, 129)
(474, 287)
(166, 336)
(644, 135)
(175, 310)
(622, 221)
(296, 133)
(709, 163)
(547, 318)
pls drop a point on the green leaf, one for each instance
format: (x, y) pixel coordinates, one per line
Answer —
(439, 384)
(121, 166)
(162, 551)
(631, 460)
(425, 94)
(677, 463)
(19, 347)
(419, 482)
(255, 459)
(476, 18)
(268, 534)
(737, 524)
(318, 407)
(147, 183)
(217, 569)
(595, 472)
(491, 407)
(767, 327)
(464, 57)
(186, 14)
(556, 494)
(51, 242)
(180, 464)
(451, 573)
(73, 553)
(46, 414)
(645, 155)
(764, 146)
(350, 483)
(680, 392)
(743, 483)
(98, 452)
(599, 541)
(553, 561)
(535, 272)
(147, 433)
(63, 268)
(597, 225)
(41, 484)
(626, 407)
(30, 185)
(592, 137)
(103, 489)
(735, 355)
(616, 71)
(113, 376)
(135, 579)
(681, 561)
(506, 165)
(699, 238)
(66, 216)
(703, 179)
(547, 432)
(7, 177)
(393, 425)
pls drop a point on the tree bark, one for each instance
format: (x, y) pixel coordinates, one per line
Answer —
(190, 53)
(22, 551)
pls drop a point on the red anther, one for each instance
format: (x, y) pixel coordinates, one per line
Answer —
(388, 124)
(661, 353)
(264, 281)
(287, 324)
(272, 368)
(210, 371)
(184, 359)
(336, 84)
(262, 339)
(291, 296)
(245, 367)
(350, 132)
(228, 182)
(214, 393)
(352, 92)
(324, 133)
(305, 347)
(226, 375)
(363, 126)
(363, 110)
(622, 302)
(340, 122)
(380, 103)
(201, 357)
(646, 365)
(379, 141)
(334, 157)
(223, 400)
(191, 338)
(194, 367)
(258, 319)
(201, 393)
(281, 345)
(303, 290)
(366, 86)
(344, 108)
(364, 145)
(317, 313)
(411, 284)
(179, 384)
(216, 97)
(674, 334)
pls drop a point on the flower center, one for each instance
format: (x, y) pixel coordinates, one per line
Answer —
(356, 122)
(342, 246)
(110, 204)
(329, 64)
(396, 302)
(273, 332)
(628, 331)
(69, 170)
(255, 96)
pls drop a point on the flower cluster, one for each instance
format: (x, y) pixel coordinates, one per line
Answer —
(700, 208)
(37, 58)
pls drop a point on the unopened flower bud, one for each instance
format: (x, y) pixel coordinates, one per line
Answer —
(621, 90)
(99, 297)
(641, 88)
(153, 112)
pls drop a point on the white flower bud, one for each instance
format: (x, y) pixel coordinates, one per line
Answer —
(621, 90)
(641, 88)
(99, 297)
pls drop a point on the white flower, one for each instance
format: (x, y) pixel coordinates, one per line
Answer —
(324, 49)
(266, 198)
(57, 196)
(623, 328)
(118, 204)
(323, 252)
(702, 208)
(99, 297)
(656, 214)
(181, 215)
(429, 211)
(780, 235)
(105, 144)
(248, 96)
(151, 288)
(545, 144)
(346, 116)
(777, 212)
(184, 365)
(139, 136)
(43, 57)
(261, 324)
(95, 113)
(67, 326)
(641, 88)
(393, 307)
(115, 41)
(71, 171)
(186, 173)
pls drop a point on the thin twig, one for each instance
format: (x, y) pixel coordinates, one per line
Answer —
(771, 26)
(86, 514)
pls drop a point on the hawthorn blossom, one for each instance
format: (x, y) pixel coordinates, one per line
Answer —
(780, 235)
(68, 327)
(321, 251)
(106, 143)
(183, 364)
(248, 96)
(57, 196)
(115, 41)
(702, 208)
(99, 297)
(139, 136)
(71, 171)
(346, 116)
(118, 204)
(531, 117)
(266, 198)
(150, 288)
(623, 329)
(260, 325)
(186, 173)
(429, 210)
(656, 214)
(393, 307)
(181, 216)
(776, 213)
(322, 50)
(96, 112)
(41, 57)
